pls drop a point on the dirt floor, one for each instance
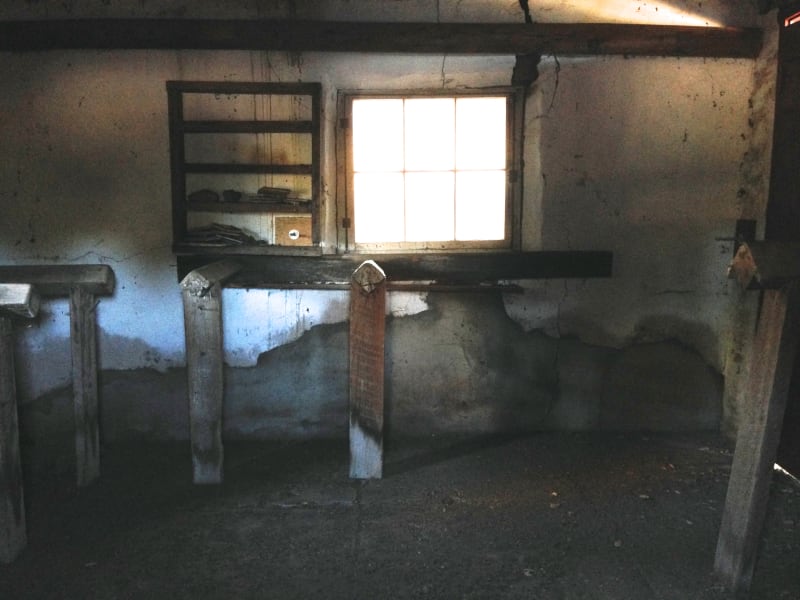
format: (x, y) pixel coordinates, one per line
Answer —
(547, 516)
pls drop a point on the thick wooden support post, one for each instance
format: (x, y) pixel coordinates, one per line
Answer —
(13, 536)
(16, 299)
(83, 344)
(202, 313)
(367, 332)
(773, 354)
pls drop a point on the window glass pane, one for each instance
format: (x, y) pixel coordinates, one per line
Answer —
(480, 205)
(378, 207)
(429, 207)
(481, 133)
(429, 134)
(378, 135)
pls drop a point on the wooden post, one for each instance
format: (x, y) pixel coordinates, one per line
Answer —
(367, 333)
(773, 354)
(12, 507)
(83, 345)
(22, 300)
(202, 313)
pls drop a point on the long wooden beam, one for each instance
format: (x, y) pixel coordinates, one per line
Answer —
(447, 268)
(58, 280)
(561, 39)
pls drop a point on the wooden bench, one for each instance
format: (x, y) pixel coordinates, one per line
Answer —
(201, 290)
(368, 284)
(81, 284)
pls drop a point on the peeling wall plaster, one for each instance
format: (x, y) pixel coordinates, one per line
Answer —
(478, 372)
(255, 321)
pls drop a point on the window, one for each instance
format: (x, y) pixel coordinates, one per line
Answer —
(433, 171)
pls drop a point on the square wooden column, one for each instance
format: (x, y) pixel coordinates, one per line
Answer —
(367, 334)
(12, 506)
(768, 382)
(202, 313)
(83, 344)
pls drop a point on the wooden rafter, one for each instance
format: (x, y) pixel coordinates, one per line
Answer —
(562, 39)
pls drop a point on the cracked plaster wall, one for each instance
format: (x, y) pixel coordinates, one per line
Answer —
(653, 159)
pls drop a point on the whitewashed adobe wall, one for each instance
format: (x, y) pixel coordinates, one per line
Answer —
(654, 159)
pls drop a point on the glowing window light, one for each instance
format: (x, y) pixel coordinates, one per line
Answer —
(429, 169)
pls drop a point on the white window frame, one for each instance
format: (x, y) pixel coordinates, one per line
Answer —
(515, 99)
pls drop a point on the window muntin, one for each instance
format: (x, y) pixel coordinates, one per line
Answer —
(431, 172)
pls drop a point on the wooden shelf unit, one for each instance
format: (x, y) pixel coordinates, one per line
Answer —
(183, 166)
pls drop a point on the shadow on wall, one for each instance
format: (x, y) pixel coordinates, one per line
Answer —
(464, 366)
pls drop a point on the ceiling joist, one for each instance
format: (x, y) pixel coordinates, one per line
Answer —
(560, 39)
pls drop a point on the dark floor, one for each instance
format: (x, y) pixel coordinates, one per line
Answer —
(544, 516)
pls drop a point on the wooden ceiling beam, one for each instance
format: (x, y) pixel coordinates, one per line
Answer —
(560, 39)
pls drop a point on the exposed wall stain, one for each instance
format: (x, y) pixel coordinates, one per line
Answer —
(478, 372)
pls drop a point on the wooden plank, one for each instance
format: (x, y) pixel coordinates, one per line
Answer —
(13, 536)
(202, 312)
(247, 126)
(561, 39)
(768, 381)
(20, 299)
(248, 207)
(316, 167)
(367, 334)
(445, 268)
(58, 280)
(83, 345)
(298, 88)
(177, 156)
(766, 265)
(248, 168)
